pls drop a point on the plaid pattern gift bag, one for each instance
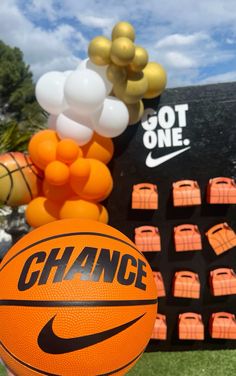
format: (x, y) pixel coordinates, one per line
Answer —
(186, 193)
(223, 325)
(221, 238)
(186, 285)
(223, 282)
(161, 291)
(147, 239)
(191, 326)
(145, 196)
(187, 238)
(160, 328)
(221, 191)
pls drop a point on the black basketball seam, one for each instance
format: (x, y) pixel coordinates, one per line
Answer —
(23, 176)
(41, 372)
(54, 374)
(69, 234)
(30, 167)
(11, 183)
(126, 365)
(18, 169)
(76, 303)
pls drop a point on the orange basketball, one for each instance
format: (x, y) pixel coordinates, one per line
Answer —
(77, 298)
(20, 179)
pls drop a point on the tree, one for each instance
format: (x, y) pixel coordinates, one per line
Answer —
(20, 114)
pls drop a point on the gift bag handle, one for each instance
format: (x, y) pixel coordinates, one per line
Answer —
(151, 187)
(221, 180)
(185, 183)
(217, 273)
(185, 228)
(146, 229)
(186, 274)
(223, 315)
(189, 316)
(217, 228)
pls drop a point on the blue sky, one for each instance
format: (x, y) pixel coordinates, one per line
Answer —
(194, 41)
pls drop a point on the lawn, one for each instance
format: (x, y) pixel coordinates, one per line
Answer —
(191, 363)
(196, 363)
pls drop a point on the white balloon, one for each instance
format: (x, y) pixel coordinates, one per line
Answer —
(85, 91)
(83, 64)
(52, 122)
(78, 131)
(112, 119)
(67, 72)
(101, 70)
(49, 92)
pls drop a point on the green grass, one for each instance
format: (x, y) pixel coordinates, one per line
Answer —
(2, 371)
(191, 363)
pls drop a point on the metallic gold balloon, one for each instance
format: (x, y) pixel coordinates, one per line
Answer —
(122, 51)
(156, 77)
(99, 50)
(116, 74)
(136, 111)
(123, 29)
(133, 89)
(140, 59)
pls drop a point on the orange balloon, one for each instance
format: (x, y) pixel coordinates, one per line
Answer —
(68, 151)
(97, 186)
(80, 169)
(42, 147)
(46, 152)
(58, 193)
(101, 148)
(77, 208)
(103, 216)
(105, 195)
(41, 211)
(57, 173)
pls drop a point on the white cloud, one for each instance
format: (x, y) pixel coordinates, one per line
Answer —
(105, 24)
(42, 8)
(182, 40)
(224, 77)
(189, 38)
(43, 49)
(179, 61)
(230, 41)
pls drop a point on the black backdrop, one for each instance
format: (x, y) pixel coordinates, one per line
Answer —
(211, 130)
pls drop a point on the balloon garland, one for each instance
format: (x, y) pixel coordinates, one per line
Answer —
(75, 179)
(87, 107)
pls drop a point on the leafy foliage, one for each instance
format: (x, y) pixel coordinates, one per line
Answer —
(20, 114)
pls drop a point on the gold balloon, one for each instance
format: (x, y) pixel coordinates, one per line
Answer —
(122, 51)
(136, 111)
(123, 29)
(156, 77)
(140, 59)
(99, 50)
(116, 74)
(133, 89)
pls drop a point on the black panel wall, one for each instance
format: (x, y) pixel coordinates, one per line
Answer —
(201, 123)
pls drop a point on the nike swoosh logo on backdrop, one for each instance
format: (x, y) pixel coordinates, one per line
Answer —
(154, 162)
(50, 343)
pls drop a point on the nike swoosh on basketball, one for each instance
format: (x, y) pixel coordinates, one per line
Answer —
(50, 343)
(154, 162)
